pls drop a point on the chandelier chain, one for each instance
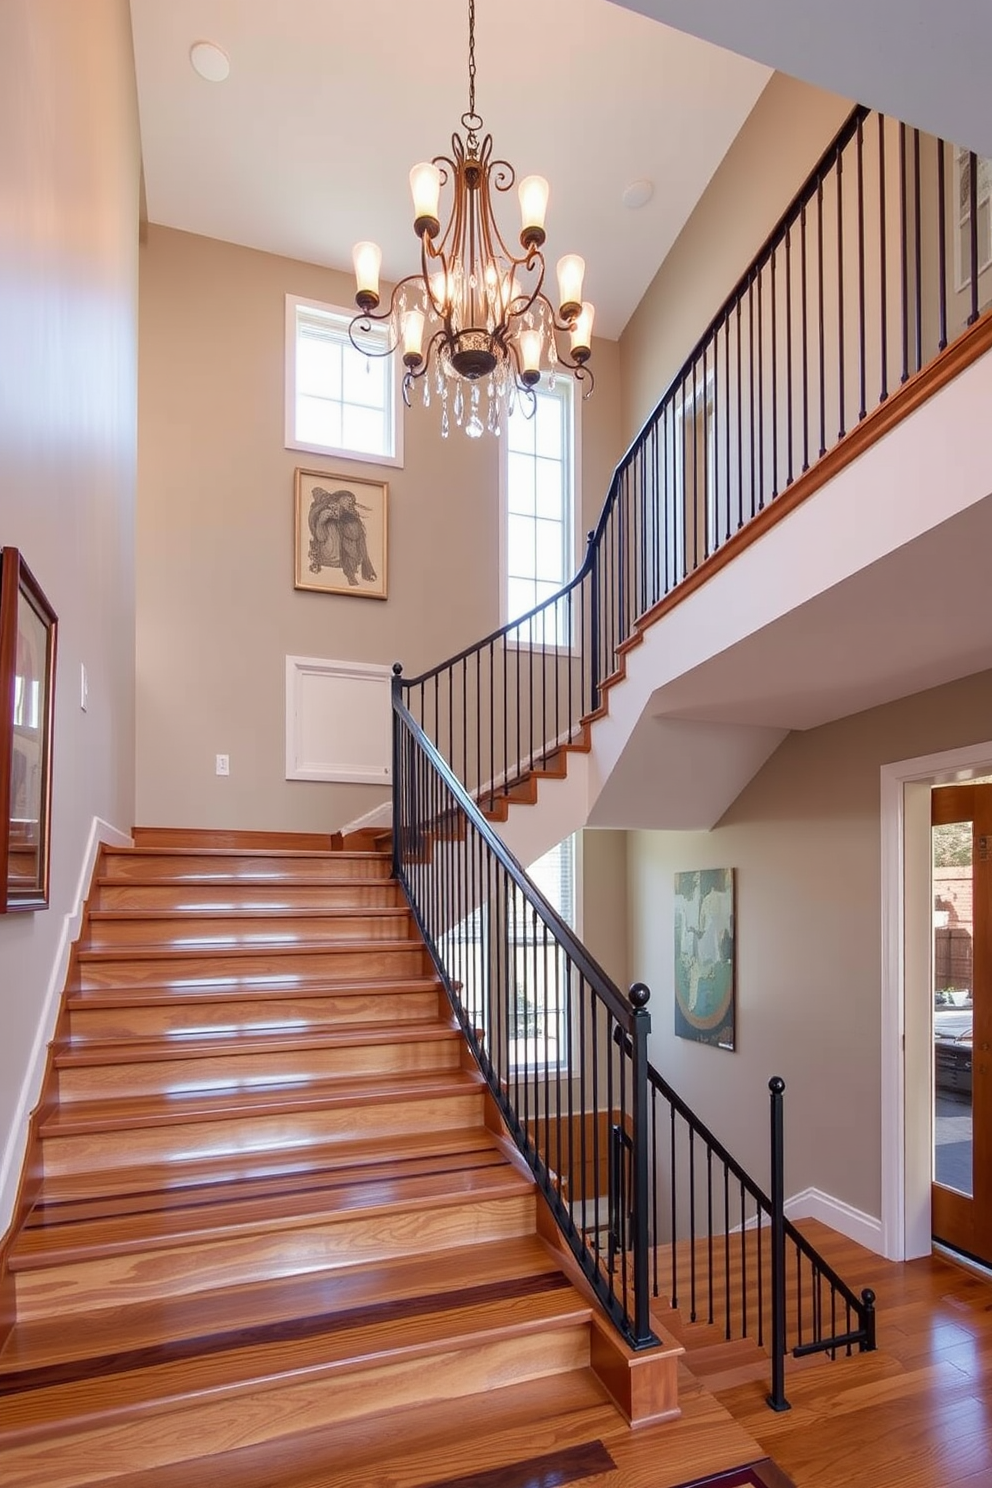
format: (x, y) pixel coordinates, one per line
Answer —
(471, 57)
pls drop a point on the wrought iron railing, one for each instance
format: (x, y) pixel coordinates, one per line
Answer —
(542, 1019)
(724, 1253)
(626, 1167)
(872, 270)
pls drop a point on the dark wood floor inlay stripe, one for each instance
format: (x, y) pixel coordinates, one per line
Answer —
(284, 1331)
(553, 1470)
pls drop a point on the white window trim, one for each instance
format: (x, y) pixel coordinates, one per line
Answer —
(576, 543)
(396, 459)
(962, 281)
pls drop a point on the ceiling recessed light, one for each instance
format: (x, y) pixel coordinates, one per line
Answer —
(209, 61)
(638, 194)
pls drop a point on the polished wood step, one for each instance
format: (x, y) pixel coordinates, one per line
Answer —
(136, 966)
(240, 1003)
(91, 1069)
(208, 865)
(205, 930)
(231, 839)
(201, 1240)
(222, 894)
(124, 1133)
(273, 1387)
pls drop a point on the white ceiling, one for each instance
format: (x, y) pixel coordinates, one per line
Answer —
(920, 61)
(306, 148)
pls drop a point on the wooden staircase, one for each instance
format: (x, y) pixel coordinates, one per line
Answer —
(274, 1205)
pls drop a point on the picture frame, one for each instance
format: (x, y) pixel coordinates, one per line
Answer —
(340, 534)
(705, 972)
(28, 637)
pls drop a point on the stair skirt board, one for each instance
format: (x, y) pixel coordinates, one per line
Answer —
(100, 833)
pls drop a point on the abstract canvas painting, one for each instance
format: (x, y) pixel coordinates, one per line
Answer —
(704, 956)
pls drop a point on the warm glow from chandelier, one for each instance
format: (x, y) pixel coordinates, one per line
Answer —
(475, 326)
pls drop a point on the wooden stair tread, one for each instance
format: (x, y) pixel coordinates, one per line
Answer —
(263, 1204)
(198, 1105)
(44, 1342)
(318, 1347)
(240, 1167)
(184, 850)
(415, 1445)
(202, 1044)
(169, 950)
(207, 991)
(249, 912)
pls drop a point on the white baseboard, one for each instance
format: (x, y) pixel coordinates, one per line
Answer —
(12, 1158)
(864, 1229)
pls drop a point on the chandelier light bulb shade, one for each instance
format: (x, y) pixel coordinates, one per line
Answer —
(533, 192)
(413, 337)
(571, 272)
(367, 258)
(581, 338)
(474, 326)
(425, 186)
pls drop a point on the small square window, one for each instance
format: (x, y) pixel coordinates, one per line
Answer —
(340, 401)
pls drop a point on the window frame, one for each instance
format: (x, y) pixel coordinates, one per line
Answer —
(962, 240)
(394, 383)
(572, 546)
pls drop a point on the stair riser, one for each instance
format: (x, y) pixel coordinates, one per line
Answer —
(155, 1076)
(343, 964)
(144, 1440)
(203, 867)
(263, 1254)
(136, 1021)
(126, 1147)
(201, 932)
(204, 897)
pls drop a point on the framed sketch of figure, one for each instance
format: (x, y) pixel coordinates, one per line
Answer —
(340, 534)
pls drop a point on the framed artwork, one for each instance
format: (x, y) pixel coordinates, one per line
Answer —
(340, 534)
(704, 956)
(28, 629)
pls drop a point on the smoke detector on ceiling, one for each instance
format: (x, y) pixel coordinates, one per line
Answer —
(209, 61)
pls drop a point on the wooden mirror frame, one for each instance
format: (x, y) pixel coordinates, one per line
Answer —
(28, 890)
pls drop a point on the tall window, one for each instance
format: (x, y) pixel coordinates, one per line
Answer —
(538, 1022)
(983, 193)
(339, 401)
(539, 498)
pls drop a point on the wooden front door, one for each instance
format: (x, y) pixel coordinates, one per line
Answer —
(961, 818)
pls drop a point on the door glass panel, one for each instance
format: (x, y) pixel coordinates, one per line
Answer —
(953, 986)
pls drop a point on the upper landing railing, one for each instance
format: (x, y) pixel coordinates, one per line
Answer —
(875, 267)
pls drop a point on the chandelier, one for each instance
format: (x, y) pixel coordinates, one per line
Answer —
(488, 324)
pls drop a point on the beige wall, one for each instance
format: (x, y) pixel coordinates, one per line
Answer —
(804, 838)
(603, 883)
(217, 611)
(69, 179)
(786, 132)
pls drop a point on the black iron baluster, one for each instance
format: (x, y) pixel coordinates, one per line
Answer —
(883, 262)
(492, 725)
(726, 1246)
(639, 996)
(820, 316)
(709, 1229)
(903, 253)
(777, 1399)
(862, 367)
(941, 245)
(973, 232)
(788, 358)
(918, 250)
(692, 1225)
(774, 335)
(594, 1053)
(740, 428)
(706, 446)
(761, 400)
(750, 329)
(743, 1261)
(654, 1191)
(842, 404)
(726, 416)
(675, 1229)
(761, 1283)
(805, 320)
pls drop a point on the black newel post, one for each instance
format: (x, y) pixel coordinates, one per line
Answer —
(777, 1399)
(639, 997)
(396, 688)
(868, 1301)
(593, 623)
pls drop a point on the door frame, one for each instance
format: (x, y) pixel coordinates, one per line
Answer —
(906, 1004)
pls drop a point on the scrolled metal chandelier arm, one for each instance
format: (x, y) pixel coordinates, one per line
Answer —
(477, 317)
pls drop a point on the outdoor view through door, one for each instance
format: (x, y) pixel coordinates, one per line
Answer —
(961, 818)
